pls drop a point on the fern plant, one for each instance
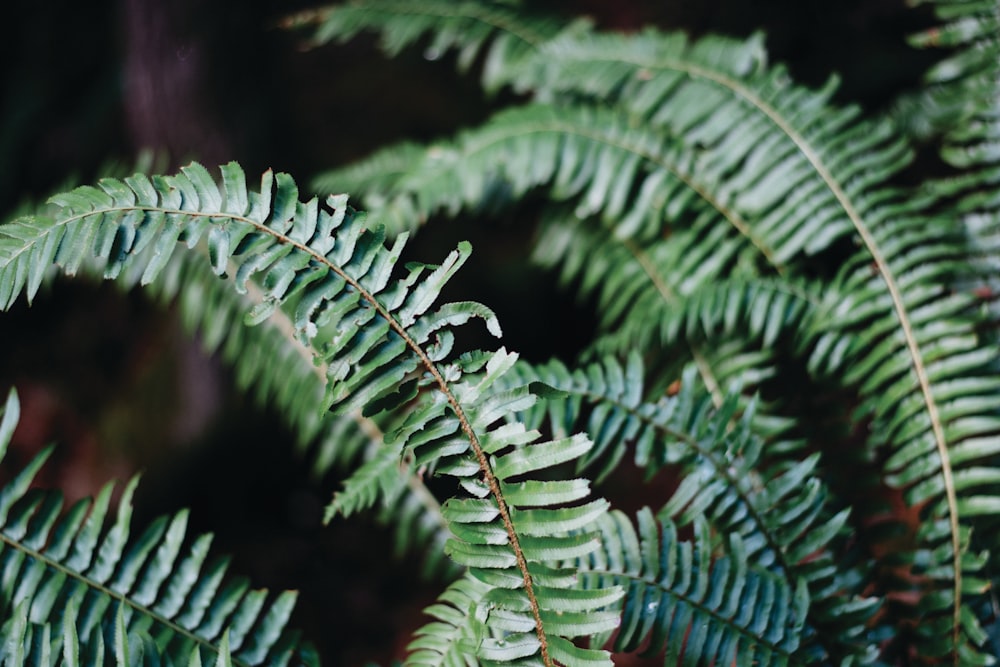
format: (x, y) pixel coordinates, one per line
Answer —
(793, 342)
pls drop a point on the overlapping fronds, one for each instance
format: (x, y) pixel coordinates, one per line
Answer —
(783, 514)
(517, 524)
(724, 219)
(495, 32)
(684, 600)
(373, 334)
(80, 589)
(962, 93)
(676, 128)
(703, 148)
(673, 283)
(598, 158)
(917, 339)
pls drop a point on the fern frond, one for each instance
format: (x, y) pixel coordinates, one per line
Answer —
(377, 477)
(929, 385)
(966, 83)
(270, 361)
(783, 514)
(491, 31)
(712, 118)
(527, 511)
(77, 584)
(684, 600)
(674, 283)
(333, 275)
(663, 298)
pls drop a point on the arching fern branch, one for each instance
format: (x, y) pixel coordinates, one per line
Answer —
(960, 97)
(910, 255)
(594, 156)
(597, 159)
(278, 369)
(78, 578)
(372, 333)
(929, 385)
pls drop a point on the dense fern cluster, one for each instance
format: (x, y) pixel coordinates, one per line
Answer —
(792, 344)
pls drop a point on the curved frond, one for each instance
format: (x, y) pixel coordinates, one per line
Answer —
(930, 388)
(78, 585)
(371, 333)
(278, 369)
(599, 158)
(909, 255)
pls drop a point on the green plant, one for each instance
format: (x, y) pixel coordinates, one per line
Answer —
(793, 343)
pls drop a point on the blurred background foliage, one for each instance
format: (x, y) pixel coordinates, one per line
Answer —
(112, 378)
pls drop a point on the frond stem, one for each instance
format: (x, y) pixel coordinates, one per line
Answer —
(899, 306)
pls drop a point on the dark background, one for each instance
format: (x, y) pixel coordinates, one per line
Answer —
(110, 376)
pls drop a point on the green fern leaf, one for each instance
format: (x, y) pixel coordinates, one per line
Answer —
(378, 477)
(81, 596)
(278, 368)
